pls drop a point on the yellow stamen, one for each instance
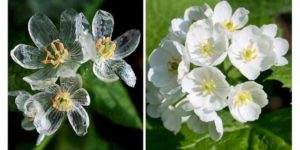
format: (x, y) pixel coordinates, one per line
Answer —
(242, 98)
(62, 102)
(229, 25)
(248, 54)
(207, 48)
(173, 65)
(106, 48)
(55, 53)
(208, 87)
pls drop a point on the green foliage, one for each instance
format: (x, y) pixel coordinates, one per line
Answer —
(265, 134)
(283, 74)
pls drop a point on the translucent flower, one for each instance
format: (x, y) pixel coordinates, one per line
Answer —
(58, 101)
(207, 46)
(30, 109)
(230, 22)
(108, 55)
(206, 88)
(251, 52)
(56, 54)
(246, 100)
(280, 45)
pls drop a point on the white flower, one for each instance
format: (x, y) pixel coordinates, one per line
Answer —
(206, 88)
(280, 46)
(68, 98)
(164, 62)
(246, 100)
(251, 52)
(206, 45)
(56, 54)
(231, 22)
(108, 55)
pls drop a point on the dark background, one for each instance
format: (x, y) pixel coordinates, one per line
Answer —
(127, 15)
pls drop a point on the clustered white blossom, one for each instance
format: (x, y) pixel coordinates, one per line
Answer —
(185, 84)
(58, 55)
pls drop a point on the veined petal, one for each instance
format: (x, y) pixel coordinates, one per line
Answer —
(240, 17)
(103, 71)
(79, 119)
(270, 30)
(42, 78)
(127, 43)
(70, 84)
(27, 124)
(68, 69)
(68, 27)
(103, 24)
(42, 31)
(28, 57)
(222, 12)
(81, 96)
(41, 100)
(21, 98)
(124, 71)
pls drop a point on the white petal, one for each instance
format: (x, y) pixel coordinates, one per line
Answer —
(195, 124)
(81, 96)
(103, 24)
(124, 71)
(27, 124)
(281, 47)
(152, 111)
(240, 17)
(68, 69)
(21, 98)
(103, 71)
(222, 12)
(79, 119)
(195, 13)
(215, 129)
(171, 120)
(70, 84)
(270, 30)
(41, 101)
(126, 43)
(205, 115)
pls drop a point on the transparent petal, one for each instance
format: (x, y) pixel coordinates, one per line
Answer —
(71, 84)
(124, 71)
(53, 89)
(103, 24)
(42, 31)
(21, 98)
(40, 139)
(81, 96)
(103, 71)
(49, 122)
(68, 69)
(42, 100)
(126, 43)
(68, 27)
(42, 78)
(79, 119)
(27, 124)
(28, 57)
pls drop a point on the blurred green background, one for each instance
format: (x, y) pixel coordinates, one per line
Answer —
(115, 111)
(273, 129)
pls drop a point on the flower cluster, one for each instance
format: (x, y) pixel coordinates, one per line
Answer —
(58, 56)
(186, 84)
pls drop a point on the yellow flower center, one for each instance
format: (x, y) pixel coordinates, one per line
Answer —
(243, 98)
(56, 53)
(106, 48)
(207, 48)
(173, 65)
(248, 54)
(62, 102)
(208, 87)
(229, 25)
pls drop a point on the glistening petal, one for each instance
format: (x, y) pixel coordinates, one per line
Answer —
(27, 124)
(103, 24)
(103, 71)
(81, 96)
(70, 84)
(124, 71)
(79, 119)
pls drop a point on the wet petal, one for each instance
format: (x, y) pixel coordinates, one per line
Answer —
(70, 84)
(124, 71)
(103, 71)
(42, 100)
(68, 27)
(81, 96)
(79, 119)
(42, 31)
(27, 124)
(103, 24)
(21, 98)
(28, 57)
(68, 69)
(126, 43)
(42, 78)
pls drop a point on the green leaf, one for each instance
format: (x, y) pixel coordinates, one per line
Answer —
(283, 74)
(110, 99)
(265, 134)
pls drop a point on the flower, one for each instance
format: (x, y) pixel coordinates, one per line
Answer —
(30, 109)
(56, 54)
(246, 100)
(251, 52)
(205, 44)
(222, 15)
(206, 88)
(68, 98)
(280, 45)
(108, 55)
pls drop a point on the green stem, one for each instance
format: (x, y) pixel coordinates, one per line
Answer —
(44, 143)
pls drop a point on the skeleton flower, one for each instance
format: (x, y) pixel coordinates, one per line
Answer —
(108, 55)
(246, 100)
(205, 44)
(56, 54)
(251, 52)
(30, 109)
(68, 98)
(206, 88)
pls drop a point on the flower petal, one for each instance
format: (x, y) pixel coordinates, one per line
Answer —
(42, 31)
(28, 57)
(27, 124)
(240, 17)
(103, 71)
(41, 101)
(21, 98)
(103, 24)
(195, 124)
(42, 78)
(215, 129)
(79, 119)
(195, 13)
(222, 12)
(81, 96)
(68, 69)
(40, 139)
(124, 71)
(281, 47)
(269, 30)
(68, 27)
(171, 120)
(70, 84)
(152, 111)
(127, 43)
